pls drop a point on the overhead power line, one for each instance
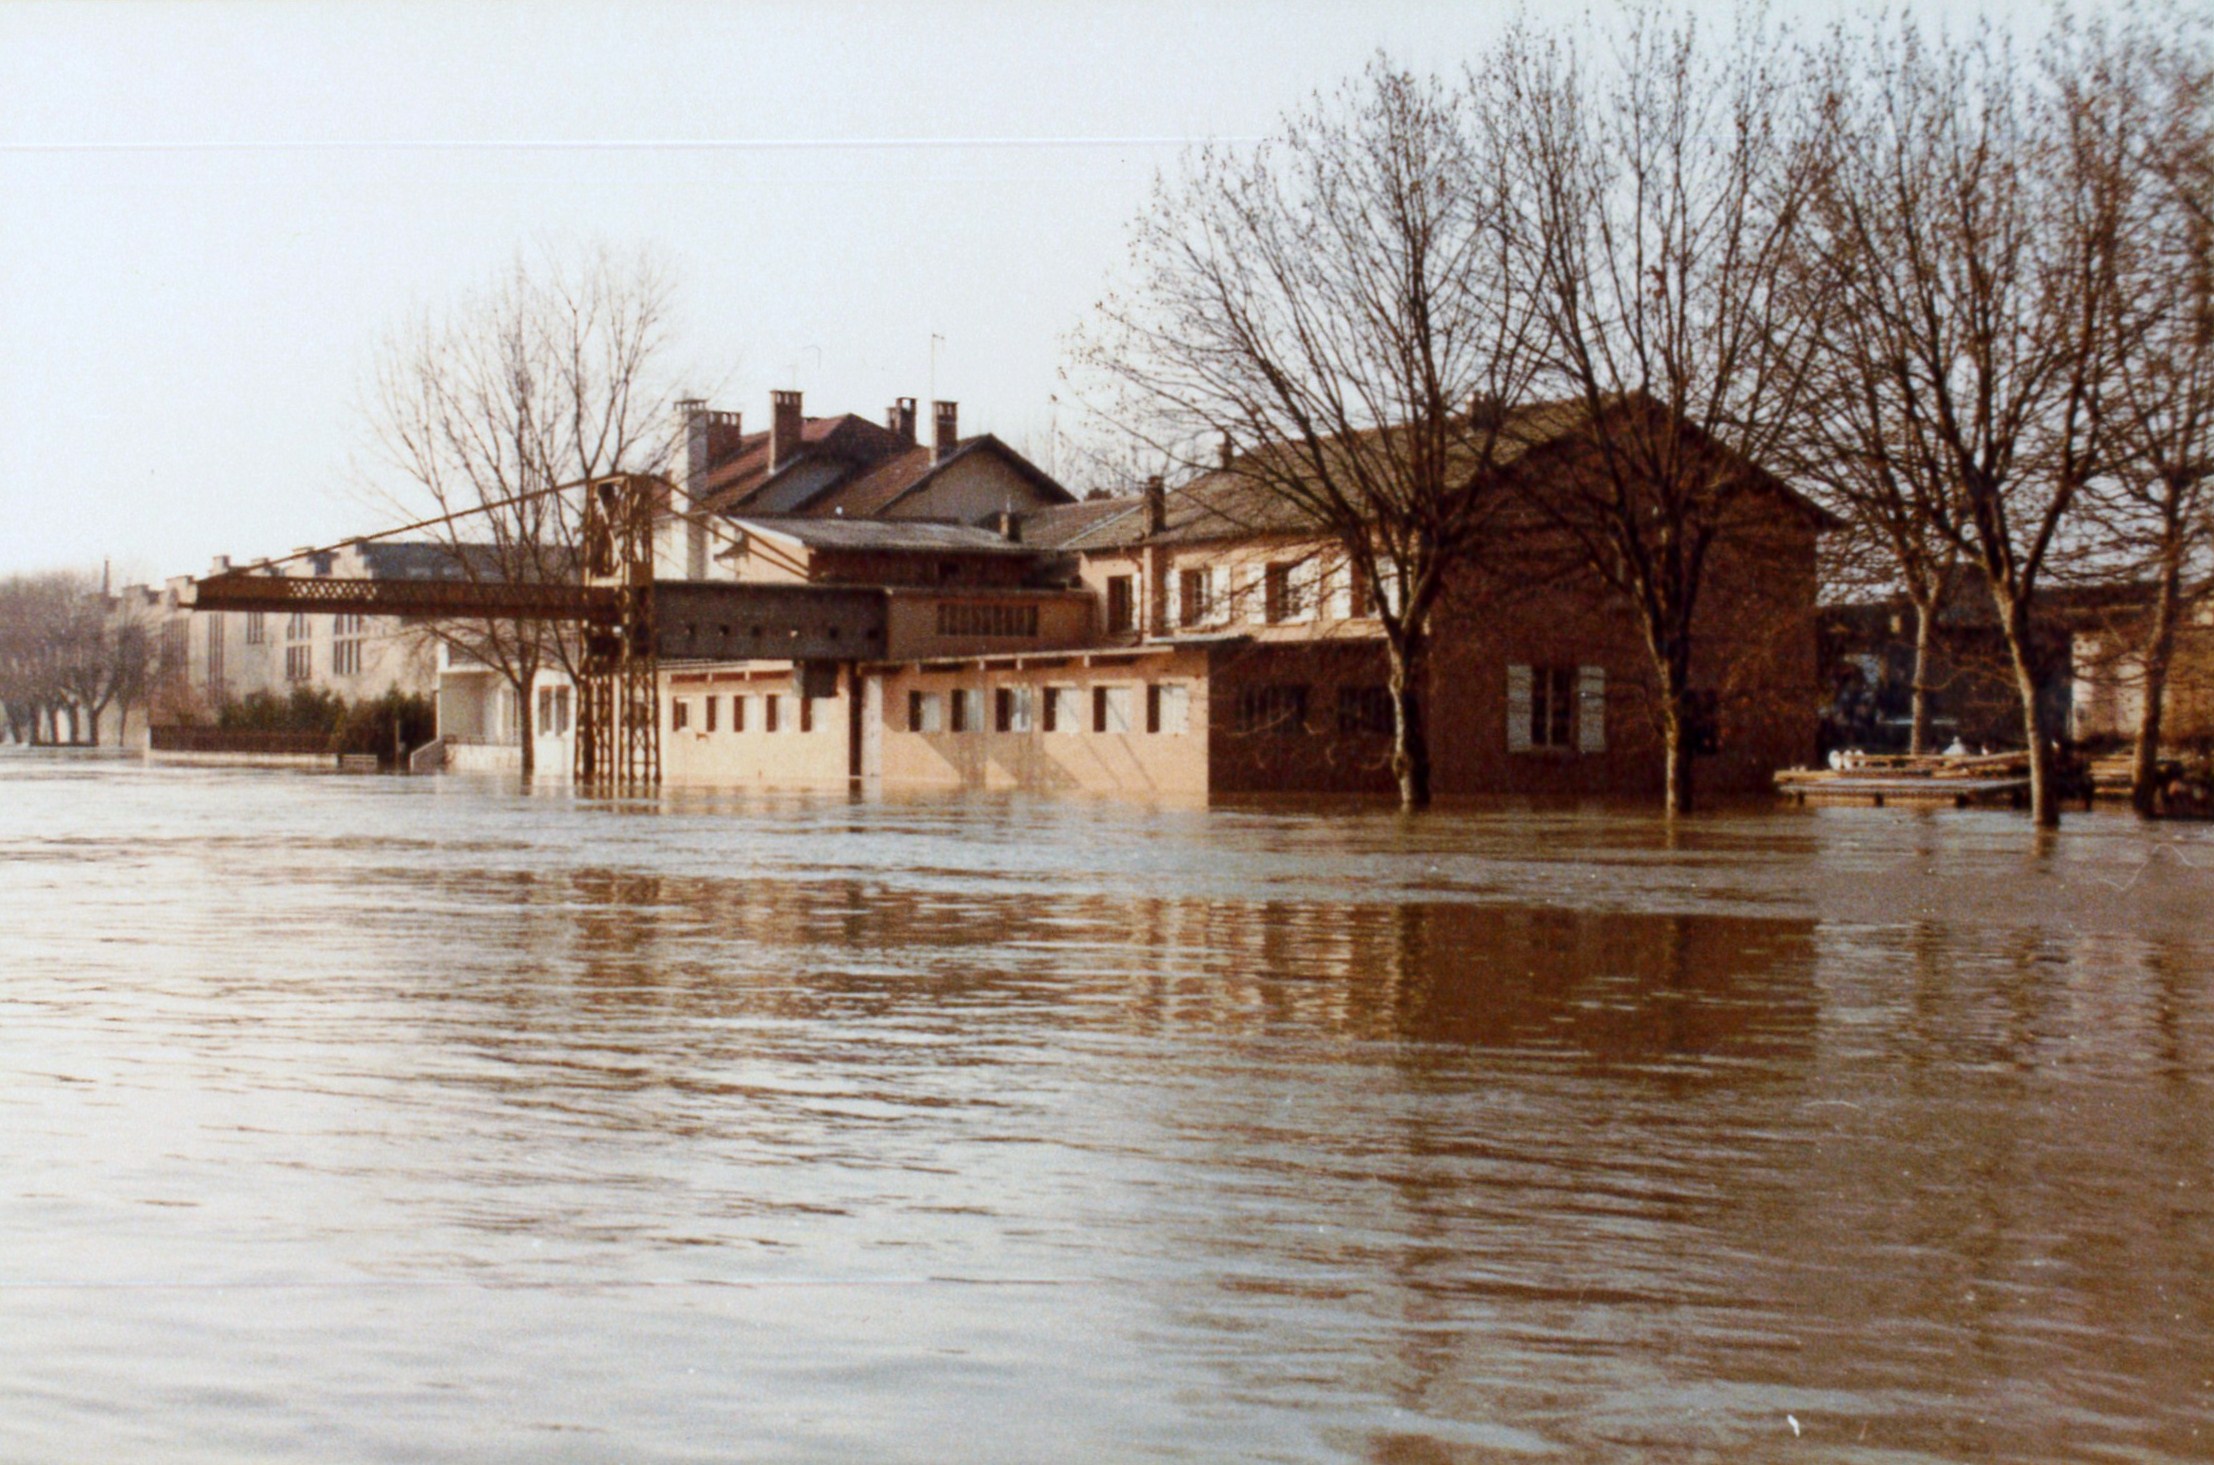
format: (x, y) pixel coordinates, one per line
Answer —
(608, 145)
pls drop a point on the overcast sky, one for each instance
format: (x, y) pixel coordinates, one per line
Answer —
(210, 214)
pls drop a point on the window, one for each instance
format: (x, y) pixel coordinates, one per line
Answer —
(680, 715)
(257, 628)
(1013, 712)
(347, 625)
(1195, 597)
(968, 709)
(738, 718)
(296, 626)
(1111, 709)
(1350, 593)
(1168, 708)
(807, 710)
(966, 618)
(1286, 593)
(1364, 710)
(714, 705)
(1546, 705)
(1277, 708)
(1121, 604)
(553, 712)
(346, 658)
(1064, 712)
(926, 712)
(771, 705)
(299, 663)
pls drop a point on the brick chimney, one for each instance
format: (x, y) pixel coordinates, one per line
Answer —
(947, 423)
(1227, 451)
(901, 418)
(784, 428)
(710, 438)
(1156, 506)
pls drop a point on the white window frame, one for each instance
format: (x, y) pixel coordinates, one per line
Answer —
(1112, 703)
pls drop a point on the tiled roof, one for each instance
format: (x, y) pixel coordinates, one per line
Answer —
(875, 487)
(848, 438)
(1237, 501)
(905, 473)
(898, 536)
(1059, 526)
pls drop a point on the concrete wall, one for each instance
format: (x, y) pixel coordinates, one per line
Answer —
(1074, 759)
(811, 745)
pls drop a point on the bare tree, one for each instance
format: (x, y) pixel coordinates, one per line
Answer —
(32, 607)
(1971, 205)
(2161, 402)
(1341, 302)
(68, 650)
(491, 414)
(1667, 186)
(1851, 447)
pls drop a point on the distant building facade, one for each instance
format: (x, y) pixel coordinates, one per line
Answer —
(207, 659)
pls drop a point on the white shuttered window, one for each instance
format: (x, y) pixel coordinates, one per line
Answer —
(1591, 709)
(1518, 709)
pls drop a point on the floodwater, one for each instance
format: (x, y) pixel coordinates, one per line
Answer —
(391, 1119)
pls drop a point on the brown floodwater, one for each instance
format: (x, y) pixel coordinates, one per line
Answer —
(391, 1119)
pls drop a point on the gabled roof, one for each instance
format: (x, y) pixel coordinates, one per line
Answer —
(904, 474)
(1237, 502)
(883, 536)
(845, 439)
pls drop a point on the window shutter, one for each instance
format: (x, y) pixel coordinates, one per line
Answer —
(1591, 709)
(1518, 709)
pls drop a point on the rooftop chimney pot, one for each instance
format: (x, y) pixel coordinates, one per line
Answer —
(1156, 506)
(784, 428)
(1227, 451)
(947, 422)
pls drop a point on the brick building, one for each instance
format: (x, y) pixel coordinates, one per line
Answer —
(1198, 641)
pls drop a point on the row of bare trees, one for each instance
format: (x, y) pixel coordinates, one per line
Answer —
(1958, 291)
(69, 654)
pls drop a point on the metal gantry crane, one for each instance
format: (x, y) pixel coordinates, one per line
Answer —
(625, 620)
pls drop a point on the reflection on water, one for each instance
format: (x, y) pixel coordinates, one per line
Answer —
(401, 1119)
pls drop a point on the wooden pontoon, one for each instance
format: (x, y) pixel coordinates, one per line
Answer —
(1924, 780)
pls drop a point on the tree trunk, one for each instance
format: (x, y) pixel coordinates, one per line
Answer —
(2044, 797)
(1678, 756)
(1674, 671)
(2158, 651)
(523, 728)
(1925, 634)
(1410, 744)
